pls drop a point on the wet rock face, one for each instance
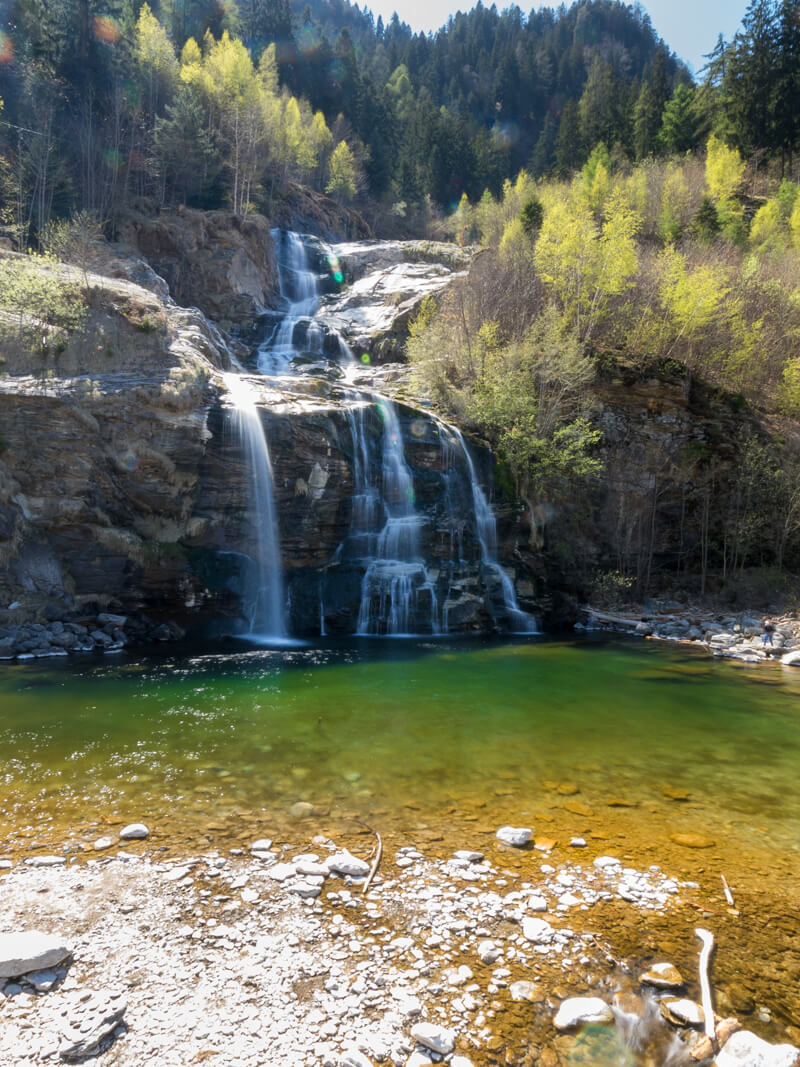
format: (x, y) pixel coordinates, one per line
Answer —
(387, 282)
(312, 450)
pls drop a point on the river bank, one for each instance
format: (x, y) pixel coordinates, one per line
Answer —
(273, 954)
(730, 636)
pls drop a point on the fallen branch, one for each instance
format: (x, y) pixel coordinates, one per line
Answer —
(698, 907)
(727, 890)
(375, 863)
(705, 986)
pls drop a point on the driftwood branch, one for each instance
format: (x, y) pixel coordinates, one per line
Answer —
(727, 890)
(376, 861)
(705, 986)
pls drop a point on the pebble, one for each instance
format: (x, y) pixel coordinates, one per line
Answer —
(281, 872)
(354, 1058)
(45, 861)
(102, 843)
(514, 835)
(264, 844)
(581, 1011)
(524, 990)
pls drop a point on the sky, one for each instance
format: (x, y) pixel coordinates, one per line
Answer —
(690, 27)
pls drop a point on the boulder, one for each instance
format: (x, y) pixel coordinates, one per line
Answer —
(791, 659)
(746, 1050)
(22, 953)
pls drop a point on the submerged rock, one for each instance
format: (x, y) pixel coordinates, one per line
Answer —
(663, 976)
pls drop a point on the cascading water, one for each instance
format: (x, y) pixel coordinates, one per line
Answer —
(396, 591)
(486, 526)
(264, 597)
(398, 594)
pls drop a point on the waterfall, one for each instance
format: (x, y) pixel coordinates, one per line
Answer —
(383, 547)
(264, 598)
(396, 590)
(486, 526)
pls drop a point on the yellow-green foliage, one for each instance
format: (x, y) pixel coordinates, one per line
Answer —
(584, 264)
(260, 128)
(39, 309)
(632, 264)
(343, 175)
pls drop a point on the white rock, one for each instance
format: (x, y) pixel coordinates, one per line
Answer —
(264, 844)
(685, 1011)
(536, 903)
(434, 1037)
(310, 867)
(514, 835)
(578, 1011)
(489, 952)
(281, 871)
(746, 1050)
(577, 842)
(102, 843)
(791, 659)
(45, 861)
(537, 930)
(344, 863)
(351, 1057)
(6, 865)
(458, 976)
(460, 1061)
(43, 981)
(136, 831)
(607, 861)
(306, 889)
(30, 951)
(417, 1059)
(523, 990)
(470, 857)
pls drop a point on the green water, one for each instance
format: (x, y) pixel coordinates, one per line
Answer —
(416, 734)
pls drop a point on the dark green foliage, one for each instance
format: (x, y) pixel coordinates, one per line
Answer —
(706, 225)
(532, 216)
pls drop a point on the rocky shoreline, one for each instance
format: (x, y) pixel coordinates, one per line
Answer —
(725, 635)
(105, 632)
(275, 954)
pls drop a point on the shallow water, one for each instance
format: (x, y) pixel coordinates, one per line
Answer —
(624, 744)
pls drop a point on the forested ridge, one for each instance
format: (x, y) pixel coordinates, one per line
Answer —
(211, 102)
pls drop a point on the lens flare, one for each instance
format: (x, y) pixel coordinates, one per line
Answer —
(128, 461)
(365, 359)
(505, 134)
(307, 39)
(6, 48)
(106, 29)
(418, 428)
(113, 159)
